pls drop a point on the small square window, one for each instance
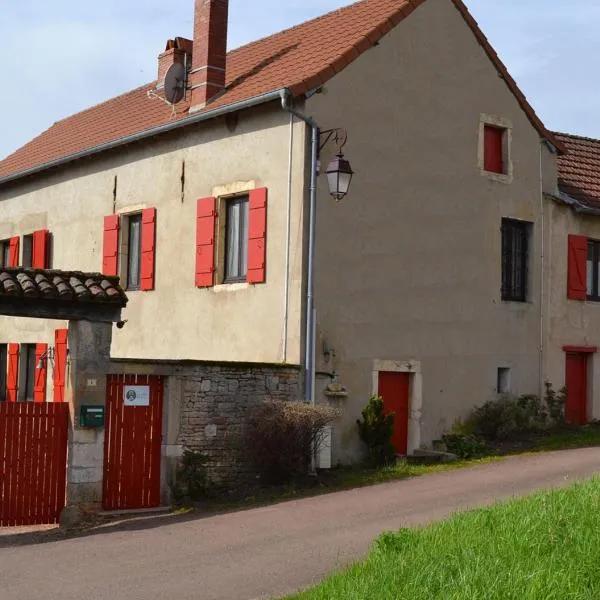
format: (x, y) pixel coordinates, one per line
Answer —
(494, 144)
(4, 253)
(515, 258)
(503, 383)
(236, 240)
(27, 251)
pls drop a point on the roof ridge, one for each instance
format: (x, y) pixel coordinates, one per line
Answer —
(575, 136)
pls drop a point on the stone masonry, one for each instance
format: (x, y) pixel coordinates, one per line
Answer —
(215, 402)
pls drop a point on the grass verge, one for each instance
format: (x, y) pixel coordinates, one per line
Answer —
(544, 547)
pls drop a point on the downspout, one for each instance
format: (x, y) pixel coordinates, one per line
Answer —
(309, 358)
(543, 275)
(288, 227)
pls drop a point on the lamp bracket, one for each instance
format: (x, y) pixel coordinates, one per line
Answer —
(339, 135)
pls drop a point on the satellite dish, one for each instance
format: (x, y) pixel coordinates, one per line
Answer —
(175, 81)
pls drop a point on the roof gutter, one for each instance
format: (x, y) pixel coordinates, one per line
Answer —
(577, 206)
(136, 137)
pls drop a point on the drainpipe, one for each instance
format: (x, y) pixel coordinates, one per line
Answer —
(310, 314)
(543, 275)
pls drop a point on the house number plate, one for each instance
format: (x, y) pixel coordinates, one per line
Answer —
(136, 395)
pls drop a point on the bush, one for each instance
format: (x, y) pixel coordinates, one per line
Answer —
(375, 430)
(191, 478)
(280, 438)
(464, 445)
(500, 419)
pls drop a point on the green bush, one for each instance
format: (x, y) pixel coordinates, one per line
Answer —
(191, 479)
(555, 402)
(376, 430)
(464, 445)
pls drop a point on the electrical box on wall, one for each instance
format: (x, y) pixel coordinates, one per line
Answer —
(91, 417)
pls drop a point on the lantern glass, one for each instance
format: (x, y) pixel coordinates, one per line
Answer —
(339, 176)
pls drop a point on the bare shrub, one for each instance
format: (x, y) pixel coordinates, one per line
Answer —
(280, 437)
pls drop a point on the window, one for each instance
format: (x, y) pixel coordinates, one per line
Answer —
(3, 367)
(236, 240)
(27, 251)
(494, 149)
(4, 253)
(27, 372)
(503, 384)
(134, 251)
(515, 248)
(592, 271)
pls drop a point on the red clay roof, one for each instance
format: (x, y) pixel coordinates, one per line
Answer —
(579, 169)
(299, 59)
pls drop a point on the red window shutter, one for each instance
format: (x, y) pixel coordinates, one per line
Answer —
(60, 363)
(257, 236)
(493, 151)
(13, 251)
(577, 267)
(206, 219)
(12, 379)
(40, 249)
(39, 384)
(110, 251)
(148, 259)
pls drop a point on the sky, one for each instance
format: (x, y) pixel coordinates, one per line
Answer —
(61, 56)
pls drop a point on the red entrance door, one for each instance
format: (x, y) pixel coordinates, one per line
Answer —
(576, 383)
(132, 442)
(394, 389)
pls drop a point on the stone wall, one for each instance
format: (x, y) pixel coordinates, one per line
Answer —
(215, 400)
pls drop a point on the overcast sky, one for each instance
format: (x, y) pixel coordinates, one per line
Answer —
(61, 56)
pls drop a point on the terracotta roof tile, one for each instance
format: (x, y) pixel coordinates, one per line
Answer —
(299, 59)
(61, 286)
(579, 169)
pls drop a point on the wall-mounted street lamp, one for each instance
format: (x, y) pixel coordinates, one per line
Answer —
(339, 172)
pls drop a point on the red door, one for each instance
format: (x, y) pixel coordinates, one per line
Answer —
(576, 383)
(394, 389)
(132, 442)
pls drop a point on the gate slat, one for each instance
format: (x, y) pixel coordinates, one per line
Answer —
(3, 463)
(28, 480)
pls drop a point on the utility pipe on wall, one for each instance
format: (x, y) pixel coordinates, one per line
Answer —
(310, 319)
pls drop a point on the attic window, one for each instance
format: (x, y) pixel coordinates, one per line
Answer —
(493, 149)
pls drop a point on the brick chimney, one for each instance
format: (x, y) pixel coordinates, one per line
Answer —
(175, 52)
(209, 57)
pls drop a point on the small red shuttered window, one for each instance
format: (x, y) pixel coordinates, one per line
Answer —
(148, 258)
(206, 218)
(41, 372)
(257, 236)
(12, 379)
(13, 251)
(40, 254)
(577, 267)
(493, 149)
(110, 246)
(60, 364)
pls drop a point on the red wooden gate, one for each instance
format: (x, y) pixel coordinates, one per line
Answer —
(33, 462)
(132, 442)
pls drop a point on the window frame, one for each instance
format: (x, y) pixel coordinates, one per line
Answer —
(594, 245)
(3, 371)
(27, 247)
(27, 368)
(497, 122)
(511, 292)
(4, 253)
(242, 200)
(125, 247)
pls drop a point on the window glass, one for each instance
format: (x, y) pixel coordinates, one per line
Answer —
(27, 372)
(27, 251)
(593, 270)
(515, 256)
(4, 253)
(134, 252)
(236, 240)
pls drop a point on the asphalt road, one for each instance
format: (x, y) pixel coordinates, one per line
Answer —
(265, 552)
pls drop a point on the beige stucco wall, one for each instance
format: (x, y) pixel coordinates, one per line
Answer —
(569, 322)
(178, 321)
(408, 266)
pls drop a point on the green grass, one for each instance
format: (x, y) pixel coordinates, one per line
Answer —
(588, 435)
(545, 547)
